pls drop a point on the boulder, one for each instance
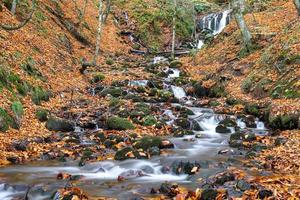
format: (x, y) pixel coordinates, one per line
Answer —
(118, 123)
(222, 129)
(125, 153)
(57, 124)
(183, 123)
(175, 64)
(209, 194)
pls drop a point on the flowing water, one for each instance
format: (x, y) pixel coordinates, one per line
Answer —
(101, 178)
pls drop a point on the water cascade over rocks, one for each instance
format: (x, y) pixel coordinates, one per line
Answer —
(197, 147)
(213, 23)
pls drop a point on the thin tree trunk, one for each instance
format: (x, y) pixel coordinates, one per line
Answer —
(107, 10)
(100, 21)
(297, 4)
(238, 15)
(174, 30)
(14, 6)
(16, 27)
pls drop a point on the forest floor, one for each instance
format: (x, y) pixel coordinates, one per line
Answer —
(57, 55)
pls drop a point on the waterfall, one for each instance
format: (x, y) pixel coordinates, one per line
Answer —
(178, 92)
(214, 22)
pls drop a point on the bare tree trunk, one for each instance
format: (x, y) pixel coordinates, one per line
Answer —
(174, 30)
(107, 10)
(297, 4)
(100, 21)
(239, 17)
(14, 6)
(16, 27)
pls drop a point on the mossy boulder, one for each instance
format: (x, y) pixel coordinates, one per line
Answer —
(147, 142)
(182, 133)
(165, 95)
(199, 90)
(175, 64)
(57, 124)
(221, 128)
(42, 115)
(252, 109)
(123, 154)
(118, 123)
(113, 91)
(284, 122)
(5, 120)
(183, 123)
(228, 122)
(38, 95)
(140, 110)
(134, 97)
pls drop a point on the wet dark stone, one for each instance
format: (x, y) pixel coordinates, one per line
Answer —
(168, 189)
(222, 129)
(250, 137)
(209, 194)
(108, 143)
(154, 151)
(236, 143)
(224, 178)
(166, 144)
(20, 146)
(100, 136)
(243, 185)
(228, 122)
(280, 141)
(262, 194)
(183, 123)
(185, 167)
(56, 124)
(199, 90)
(121, 154)
(259, 147)
(196, 126)
(249, 121)
(14, 160)
(182, 133)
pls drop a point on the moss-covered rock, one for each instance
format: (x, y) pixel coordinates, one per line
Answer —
(183, 123)
(57, 124)
(123, 154)
(252, 109)
(147, 142)
(113, 91)
(118, 123)
(221, 128)
(140, 110)
(5, 120)
(182, 133)
(165, 95)
(284, 122)
(199, 90)
(38, 95)
(134, 97)
(228, 122)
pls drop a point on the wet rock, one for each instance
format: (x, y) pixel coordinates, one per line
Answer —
(249, 121)
(228, 122)
(222, 129)
(100, 136)
(237, 136)
(118, 123)
(166, 144)
(154, 151)
(182, 133)
(175, 64)
(158, 84)
(243, 185)
(262, 194)
(165, 95)
(130, 174)
(183, 123)
(224, 178)
(168, 189)
(236, 143)
(140, 110)
(196, 126)
(185, 167)
(259, 147)
(20, 146)
(14, 160)
(209, 194)
(250, 154)
(108, 143)
(280, 141)
(249, 137)
(57, 124)
(125, 153)
(147, 142)
(199, 90)
(134, 97)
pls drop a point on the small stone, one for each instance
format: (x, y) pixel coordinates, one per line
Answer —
(262, 194)
(243, 185)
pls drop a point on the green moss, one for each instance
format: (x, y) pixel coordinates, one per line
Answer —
(252, 109)
(113, 91)
(147, 142)
(149, 120)
(109, 61)
(38, 95)
(217, 91)
(98, 77)
(284, 122)
(247, 84)
(5, 120)
(42, 115)
(29, 67)
(17, 109)
(118, 123)
(114, 102)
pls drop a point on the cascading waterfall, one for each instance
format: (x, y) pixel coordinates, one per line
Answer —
(214, 22)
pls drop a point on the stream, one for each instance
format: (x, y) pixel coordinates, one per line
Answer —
(100, 179)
